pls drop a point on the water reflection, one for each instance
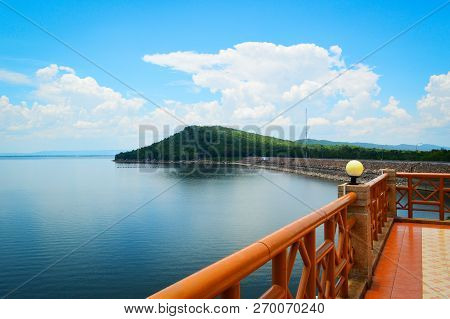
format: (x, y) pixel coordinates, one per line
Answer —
(198, 215)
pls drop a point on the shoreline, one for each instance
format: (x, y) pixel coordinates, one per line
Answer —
(330, 169)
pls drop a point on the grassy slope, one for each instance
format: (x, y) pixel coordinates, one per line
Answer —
(219, 143)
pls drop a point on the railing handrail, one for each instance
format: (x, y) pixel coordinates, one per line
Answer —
(218, 277)
(377, 180)
(423, 175)
(411, 197)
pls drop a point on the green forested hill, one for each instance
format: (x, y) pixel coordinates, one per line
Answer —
(220, 143)
(402, 147)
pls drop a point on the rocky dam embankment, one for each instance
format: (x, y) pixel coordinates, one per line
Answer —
(335, 168)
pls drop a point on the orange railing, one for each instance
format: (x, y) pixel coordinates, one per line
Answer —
(424, 192)
(378, 205)
(325, 268)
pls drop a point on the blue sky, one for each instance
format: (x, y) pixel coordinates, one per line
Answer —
(118, 34)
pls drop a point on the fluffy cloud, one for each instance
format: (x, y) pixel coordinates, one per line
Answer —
(69, 106)
(257, 80)
(434, 107)
(14, 77)
(317, 121)
(84, 95)
(251, 82)
(393, 109)
(51, 71)
(387, 125)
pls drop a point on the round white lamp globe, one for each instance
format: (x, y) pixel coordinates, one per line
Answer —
(354, 169)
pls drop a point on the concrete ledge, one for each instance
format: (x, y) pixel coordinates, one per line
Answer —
(356, 288)
(359, 286)
(381, 242)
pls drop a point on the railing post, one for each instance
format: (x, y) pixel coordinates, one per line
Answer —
(279, 271)
(345, 255)
(310, 244)
(392, 192)
(377, 210)
(329, 230)
(410, 195)
(441, 199)
(361, 231)
(234, 292)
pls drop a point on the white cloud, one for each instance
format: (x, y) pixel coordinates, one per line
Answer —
(381, 128)
(14, 77)
(37, 116)
(49, 72)
(347, 121)
(253, 83)
(393, 109)
(434, 107)
(257, 80)
(85, 95)
(246, 113)
(67, 105)
(317, 121)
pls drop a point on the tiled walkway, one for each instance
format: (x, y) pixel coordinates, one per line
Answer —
(415, 263)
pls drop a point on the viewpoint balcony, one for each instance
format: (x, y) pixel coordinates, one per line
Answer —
(376, 240)
(415, 263)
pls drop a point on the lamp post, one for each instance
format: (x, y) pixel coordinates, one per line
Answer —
(354, 169)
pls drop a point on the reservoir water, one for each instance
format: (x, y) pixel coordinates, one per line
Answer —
(91, 228)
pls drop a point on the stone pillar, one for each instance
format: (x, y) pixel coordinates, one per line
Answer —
(361, 231)
(392, 195)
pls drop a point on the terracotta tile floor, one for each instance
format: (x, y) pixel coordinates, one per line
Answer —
(415, 263)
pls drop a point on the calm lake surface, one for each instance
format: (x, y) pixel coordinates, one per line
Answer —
(49, 207)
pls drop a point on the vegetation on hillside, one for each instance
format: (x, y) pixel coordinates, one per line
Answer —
(220, 143)
(404, 147)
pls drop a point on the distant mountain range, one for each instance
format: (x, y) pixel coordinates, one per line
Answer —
(401, 147)
(63, 153)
